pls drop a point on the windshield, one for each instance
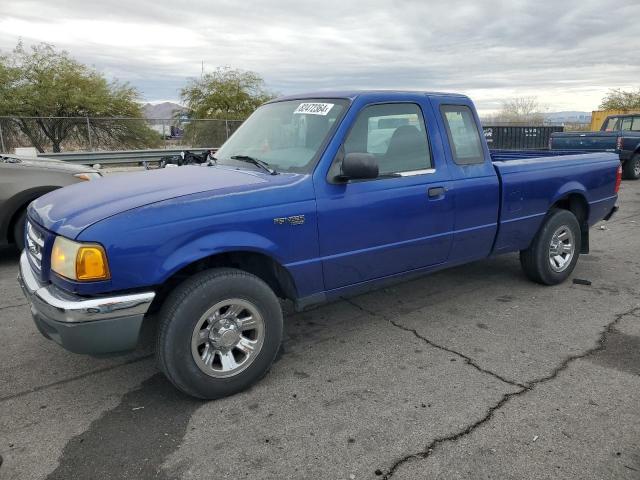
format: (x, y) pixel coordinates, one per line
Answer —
(286, 135)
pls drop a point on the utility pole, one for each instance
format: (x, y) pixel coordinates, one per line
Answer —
(2, 147)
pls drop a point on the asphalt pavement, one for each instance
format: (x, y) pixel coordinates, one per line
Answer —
(473, 372)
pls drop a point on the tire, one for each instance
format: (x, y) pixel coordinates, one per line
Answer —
(18, 230)
(199, 323)
(631, 168)
(539, 263)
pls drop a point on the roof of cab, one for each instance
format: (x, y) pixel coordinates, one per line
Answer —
(353, 94)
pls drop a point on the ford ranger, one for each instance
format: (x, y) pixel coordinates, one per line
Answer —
(313, 198)
(619, 134)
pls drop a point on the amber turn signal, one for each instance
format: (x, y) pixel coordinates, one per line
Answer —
(79, 261)
(91, 263)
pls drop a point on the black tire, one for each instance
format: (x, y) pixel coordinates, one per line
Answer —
(631, 168)
(18, 230)
(535, 260)
(185, 307)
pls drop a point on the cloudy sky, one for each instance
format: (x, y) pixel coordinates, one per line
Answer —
(567, 53)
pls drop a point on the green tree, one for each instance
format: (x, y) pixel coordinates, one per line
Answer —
(225, 93)
(44, 82)
(617, 99)
(222, 95)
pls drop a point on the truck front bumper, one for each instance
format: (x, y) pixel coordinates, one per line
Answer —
(95, 326)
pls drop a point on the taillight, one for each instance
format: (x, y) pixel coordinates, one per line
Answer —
(619, 143)
(618, 179)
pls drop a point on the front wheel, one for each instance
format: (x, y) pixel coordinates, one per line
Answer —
(555, 249)
(219, 333)
(631, 168)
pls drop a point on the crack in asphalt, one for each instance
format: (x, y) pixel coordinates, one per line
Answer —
(468, 360)
(524, 388)
(77, 377)
(13, 306)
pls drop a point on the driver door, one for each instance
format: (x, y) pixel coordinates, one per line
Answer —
(398, 222)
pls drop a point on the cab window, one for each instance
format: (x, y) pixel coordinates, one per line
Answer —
(612, 125)
(395, 134)
(636, 124)
(626, 123)
(463, 134)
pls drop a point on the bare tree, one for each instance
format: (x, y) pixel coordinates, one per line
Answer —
(522, 110)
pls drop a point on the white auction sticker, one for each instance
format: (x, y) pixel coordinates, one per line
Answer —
(314, 108)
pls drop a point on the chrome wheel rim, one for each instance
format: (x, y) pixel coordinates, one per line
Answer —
(227, 338)
(636, 168)
(561, 249)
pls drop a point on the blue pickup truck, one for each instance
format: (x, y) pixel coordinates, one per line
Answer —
(619, 134)
(313, 198)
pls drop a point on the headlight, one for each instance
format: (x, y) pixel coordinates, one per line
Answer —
(79, 261)
(88, 175)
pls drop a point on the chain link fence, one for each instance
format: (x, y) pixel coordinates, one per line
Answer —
(70, 134)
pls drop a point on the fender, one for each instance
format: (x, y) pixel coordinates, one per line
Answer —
(215, 244)
(572, 187)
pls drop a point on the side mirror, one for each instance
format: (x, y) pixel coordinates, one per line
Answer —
(359, 166)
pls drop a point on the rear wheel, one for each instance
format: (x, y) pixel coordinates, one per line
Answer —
(554, 252)
(219, 333)
(18, 230)
(631, 168)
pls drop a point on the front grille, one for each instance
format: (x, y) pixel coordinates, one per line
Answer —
(34, 244)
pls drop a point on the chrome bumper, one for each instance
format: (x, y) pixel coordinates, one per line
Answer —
(62, 306)
(84, 325)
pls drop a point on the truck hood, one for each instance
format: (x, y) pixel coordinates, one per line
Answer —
(70, 210)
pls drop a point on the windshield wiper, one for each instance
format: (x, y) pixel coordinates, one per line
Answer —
(260, 163)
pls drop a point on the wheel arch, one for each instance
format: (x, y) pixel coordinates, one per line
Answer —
(15, 205)
(255, 262)
(576, 202)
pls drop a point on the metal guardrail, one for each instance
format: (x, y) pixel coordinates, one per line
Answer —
(118, 157)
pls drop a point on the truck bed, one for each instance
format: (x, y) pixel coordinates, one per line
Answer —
(532, 181)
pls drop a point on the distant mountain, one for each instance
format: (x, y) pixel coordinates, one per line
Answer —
(162, 110)
(569, 117)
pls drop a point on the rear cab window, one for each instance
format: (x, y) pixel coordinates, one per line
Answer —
(463, 134)
(611, 124)
(626, 124)
(636, 124)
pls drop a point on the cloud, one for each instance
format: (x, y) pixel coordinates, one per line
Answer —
(567, 54)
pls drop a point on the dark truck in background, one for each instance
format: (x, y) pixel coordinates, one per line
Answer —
(619, 134)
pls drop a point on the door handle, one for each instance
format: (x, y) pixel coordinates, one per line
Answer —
(436, 192)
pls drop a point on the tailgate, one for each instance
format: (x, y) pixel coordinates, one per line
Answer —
(596, 141)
